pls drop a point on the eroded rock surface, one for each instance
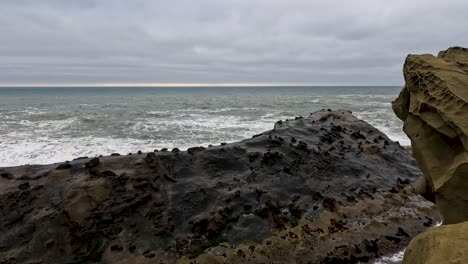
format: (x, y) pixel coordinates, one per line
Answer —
(328, 188)
(443, 244)
(433, 106)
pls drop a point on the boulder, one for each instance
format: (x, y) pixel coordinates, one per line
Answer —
(443, 244)
(434, 107)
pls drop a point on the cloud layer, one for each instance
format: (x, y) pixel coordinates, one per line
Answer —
(222, 41)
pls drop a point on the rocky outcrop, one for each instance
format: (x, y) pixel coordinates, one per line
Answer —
(434, 107)
(443, 244)
(328, 188)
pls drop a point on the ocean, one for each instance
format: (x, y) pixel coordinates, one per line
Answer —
(46, 125)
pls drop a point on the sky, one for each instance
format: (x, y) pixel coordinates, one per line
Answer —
(332, 42)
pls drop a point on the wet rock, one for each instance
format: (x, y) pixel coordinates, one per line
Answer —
(116, 247)
(109, 173)
(219, 251)
(180, 204)
(194, 150)
(402, 232)
(93, 163)
(64, 166)
(7, 175)
(24, 186)
(152, 160)
(50, 243)
(329, 204)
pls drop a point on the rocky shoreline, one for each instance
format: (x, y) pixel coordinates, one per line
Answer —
(326, 188)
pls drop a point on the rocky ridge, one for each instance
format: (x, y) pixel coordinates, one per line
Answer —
(327, 188)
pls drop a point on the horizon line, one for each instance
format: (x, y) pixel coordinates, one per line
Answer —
(84, 85)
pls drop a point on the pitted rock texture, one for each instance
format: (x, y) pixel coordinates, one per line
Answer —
(433, 106)
(325, 188)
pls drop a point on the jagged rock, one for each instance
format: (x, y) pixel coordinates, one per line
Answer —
(7, 175)
(195, 150)
(64, 166)
(434, 107)
(443, 244)
(175, 150)
(92, 163)
(272, 200)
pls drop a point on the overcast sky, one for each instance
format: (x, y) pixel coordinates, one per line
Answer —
(222, 41)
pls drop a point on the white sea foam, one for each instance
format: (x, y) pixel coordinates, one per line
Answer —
(388, 124)
(36, 129)
(396, 258)
(39, 143)
(47, 141)
(393, 259)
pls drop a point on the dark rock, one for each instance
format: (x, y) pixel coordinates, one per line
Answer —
(115, 154)
(116, 247)
(92, 163)
(152, 160)
(50, 243)
(64, 166)
(330, 204)
(7, 175)
(402, 232)
(149, 254)
(24, 186)
(109, 173)
(182, 204)
(393, 239)
(194, 150)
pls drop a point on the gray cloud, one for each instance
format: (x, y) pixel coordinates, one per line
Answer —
(210, 41)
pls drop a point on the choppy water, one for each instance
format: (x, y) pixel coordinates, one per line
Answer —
(44, 125)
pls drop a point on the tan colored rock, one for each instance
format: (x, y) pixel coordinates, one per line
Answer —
(433, 106)
(445, 244)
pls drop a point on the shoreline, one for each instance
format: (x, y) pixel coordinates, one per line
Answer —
(228, 195)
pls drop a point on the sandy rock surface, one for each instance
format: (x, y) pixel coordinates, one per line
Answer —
(433, 105)
(443, 244)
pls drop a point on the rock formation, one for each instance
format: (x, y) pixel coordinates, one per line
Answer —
(328, 188)
(443, 244)
(434, 107)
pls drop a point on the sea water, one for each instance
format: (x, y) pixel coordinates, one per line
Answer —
(46, 125)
